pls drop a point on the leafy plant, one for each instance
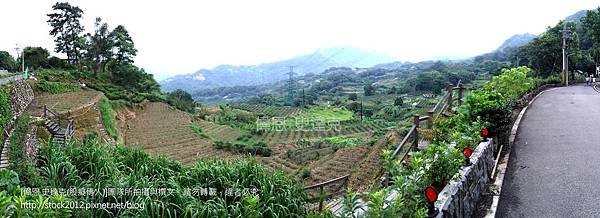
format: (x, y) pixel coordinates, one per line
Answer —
(56, 87)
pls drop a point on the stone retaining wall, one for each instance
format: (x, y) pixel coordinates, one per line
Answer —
(459, 198)
(31, 145)
(21, 95)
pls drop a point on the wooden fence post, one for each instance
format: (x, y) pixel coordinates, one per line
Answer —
(415, 144)
(430, 119)
(45, 112)
(461, 89)
(321, 198)
(449, 89)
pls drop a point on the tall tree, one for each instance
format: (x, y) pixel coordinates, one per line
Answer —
(591, 26)
(545, 52)
(433, 81)
(99, 45)
(66, 30)
(7, 62)
(36, 57)
(123, 45)
(369, 89)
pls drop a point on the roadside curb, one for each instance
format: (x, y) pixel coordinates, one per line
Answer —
(596, 88)
(497, 186)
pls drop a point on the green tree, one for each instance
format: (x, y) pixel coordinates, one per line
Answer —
(393, 90)
(369, 90)
(36, 57)
(182, 100)
(126, 76)
(66, 30)
(352, 97)
(545, 52)
(354, 106)
(591, 27)
(433, 81)
(7, 62)
(398, 101)
(123, 45)
(99, 46)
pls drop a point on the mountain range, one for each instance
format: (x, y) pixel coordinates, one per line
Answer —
(316, 62)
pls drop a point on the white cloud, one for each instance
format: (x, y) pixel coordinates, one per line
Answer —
(175, 37)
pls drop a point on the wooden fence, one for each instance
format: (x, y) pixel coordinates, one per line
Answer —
(442, 108)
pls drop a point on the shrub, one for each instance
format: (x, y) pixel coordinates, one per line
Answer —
(305, 172)
(56, 87)
(258, 148)
(198, 131)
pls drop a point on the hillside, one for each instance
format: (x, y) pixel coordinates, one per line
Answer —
(232, 75)
(517, 40)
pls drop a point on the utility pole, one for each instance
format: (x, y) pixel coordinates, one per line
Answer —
(18, 48)
(361, 109)
(566, 34)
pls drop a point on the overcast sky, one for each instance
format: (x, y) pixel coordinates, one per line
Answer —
(177, 37)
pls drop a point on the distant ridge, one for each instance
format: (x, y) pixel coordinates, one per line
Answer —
(235, 75)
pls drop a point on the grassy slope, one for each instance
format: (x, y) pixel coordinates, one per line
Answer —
(108, 118)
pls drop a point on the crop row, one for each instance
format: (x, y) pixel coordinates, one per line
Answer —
(292, 136)
(61, 102)
(221, 132)
(268, 110)
(160, 129)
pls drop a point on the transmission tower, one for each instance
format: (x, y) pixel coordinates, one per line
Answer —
(291, 86)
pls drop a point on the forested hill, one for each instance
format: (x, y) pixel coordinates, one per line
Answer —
(235, 75)
(516, 41)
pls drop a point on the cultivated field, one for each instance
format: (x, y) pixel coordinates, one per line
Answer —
(62, 102)
(219, 132)
(291, 135)
(270, 111)
(163, 130)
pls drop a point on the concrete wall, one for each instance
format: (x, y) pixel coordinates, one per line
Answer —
(459, 198)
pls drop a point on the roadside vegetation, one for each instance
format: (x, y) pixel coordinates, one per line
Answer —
(256, 191)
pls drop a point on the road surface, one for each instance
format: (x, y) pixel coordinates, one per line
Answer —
(554, 166)
(11, 79)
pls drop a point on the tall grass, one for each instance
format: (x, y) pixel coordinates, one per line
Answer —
(108, 118)
(90, 165)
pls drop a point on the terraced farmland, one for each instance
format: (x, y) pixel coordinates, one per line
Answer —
(338, 164)
(62, 102)
(361, 179)
(163, 130)
(219, 132)
(290, 136)
(270, 111)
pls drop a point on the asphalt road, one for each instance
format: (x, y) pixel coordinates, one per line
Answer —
(554, 166)
(11, 79)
